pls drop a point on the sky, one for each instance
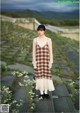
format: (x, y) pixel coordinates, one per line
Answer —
(39, 5)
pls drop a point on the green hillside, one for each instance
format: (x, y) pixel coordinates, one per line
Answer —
(16, 47)
(53, 18)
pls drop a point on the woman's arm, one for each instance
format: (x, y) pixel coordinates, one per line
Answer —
(34, 53)
(50, 52)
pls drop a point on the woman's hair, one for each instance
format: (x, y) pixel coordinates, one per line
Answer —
(41, 27)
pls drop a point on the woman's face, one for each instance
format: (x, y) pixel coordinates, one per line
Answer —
(41, 32)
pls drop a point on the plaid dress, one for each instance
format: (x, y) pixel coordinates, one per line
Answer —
(42, 62)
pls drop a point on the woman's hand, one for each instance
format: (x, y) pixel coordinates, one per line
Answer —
(50, 65)
(34, 65)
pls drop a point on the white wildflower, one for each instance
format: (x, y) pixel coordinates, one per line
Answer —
(16, 72)
(13, 72)
(32, 107)
(20, 74)
(21, 84)
(40, 98)
(72, 83)
(16, 104)
(14, 101)
(25, 80)
(25, 72)
(26, 76)
(37, 95)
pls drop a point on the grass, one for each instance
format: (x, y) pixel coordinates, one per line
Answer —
(63, 51)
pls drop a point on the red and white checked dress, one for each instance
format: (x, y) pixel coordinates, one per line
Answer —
(42, 73)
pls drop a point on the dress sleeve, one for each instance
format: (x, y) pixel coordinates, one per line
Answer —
(34, 52)
(50, 51)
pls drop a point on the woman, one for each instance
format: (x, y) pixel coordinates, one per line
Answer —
(42, 62)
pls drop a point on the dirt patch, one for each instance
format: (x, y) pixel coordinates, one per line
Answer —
(74, 36)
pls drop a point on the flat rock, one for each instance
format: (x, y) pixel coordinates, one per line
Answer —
(8, 80)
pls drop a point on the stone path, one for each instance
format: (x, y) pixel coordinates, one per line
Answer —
(45, 106)
(21, 67)
(63, 102)
(7, 81)
(59, 101)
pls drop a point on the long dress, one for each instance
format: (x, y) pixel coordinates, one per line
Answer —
(42, 73)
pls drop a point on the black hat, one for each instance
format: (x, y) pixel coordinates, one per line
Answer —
(41, 27)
